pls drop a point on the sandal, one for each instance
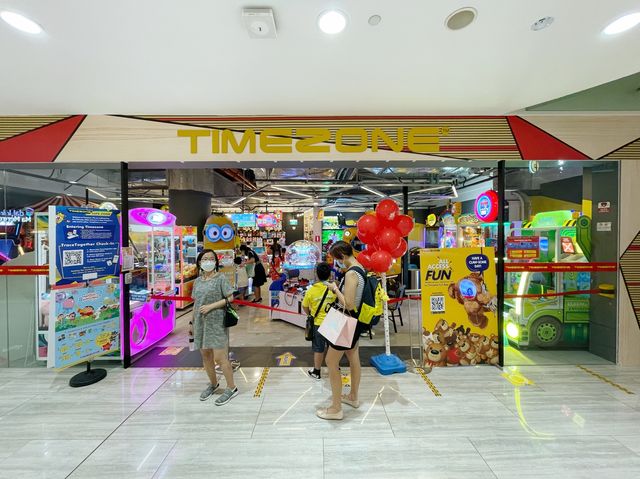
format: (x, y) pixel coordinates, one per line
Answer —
(259, 300)
(330, 416)
(354, 404)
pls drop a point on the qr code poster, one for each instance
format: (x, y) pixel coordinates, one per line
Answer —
(84, 244)
(459, 317)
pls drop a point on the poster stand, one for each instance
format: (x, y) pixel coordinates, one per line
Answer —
(387, 363)
(88, 377)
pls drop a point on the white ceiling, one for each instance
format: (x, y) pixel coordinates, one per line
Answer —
(195, 57)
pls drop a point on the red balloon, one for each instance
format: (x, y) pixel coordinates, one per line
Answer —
(367, 238)
(404, 224)
(365, 260)
(387, 210)
(400, 250)
(368, 224)
(389, 239)
(381, 261)
(372, 248)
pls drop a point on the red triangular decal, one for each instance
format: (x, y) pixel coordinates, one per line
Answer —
(40, 145)
(536, 144)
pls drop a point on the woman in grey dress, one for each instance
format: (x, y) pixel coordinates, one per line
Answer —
(209, 334)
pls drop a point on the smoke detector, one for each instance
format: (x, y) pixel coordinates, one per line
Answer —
(259, 22)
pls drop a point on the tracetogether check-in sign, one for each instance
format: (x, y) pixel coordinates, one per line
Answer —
(314, 140)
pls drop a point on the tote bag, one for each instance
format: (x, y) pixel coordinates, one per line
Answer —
(338, 328)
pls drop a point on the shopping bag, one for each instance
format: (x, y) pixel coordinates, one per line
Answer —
(338, 328)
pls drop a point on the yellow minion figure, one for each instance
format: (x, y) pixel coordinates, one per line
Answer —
(219, 233)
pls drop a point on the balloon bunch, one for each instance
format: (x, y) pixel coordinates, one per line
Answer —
(383, 234)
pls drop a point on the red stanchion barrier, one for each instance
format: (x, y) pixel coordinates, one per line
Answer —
(24, 270)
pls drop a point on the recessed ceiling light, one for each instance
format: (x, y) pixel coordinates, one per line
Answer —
(20, 22)
(542, 24)
(461, 18)
(332, 22)
(622, 24)
(375, 20)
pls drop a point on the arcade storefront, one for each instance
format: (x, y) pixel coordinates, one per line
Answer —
(548, 204)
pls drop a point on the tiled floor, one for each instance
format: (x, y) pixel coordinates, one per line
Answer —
(538, 421)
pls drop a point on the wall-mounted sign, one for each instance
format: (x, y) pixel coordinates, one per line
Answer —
(523, 247)
(12, 217)
(486, 206)
(603, 226)
(604, 207)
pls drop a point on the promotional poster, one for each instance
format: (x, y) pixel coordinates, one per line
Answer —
(459, 305)
(86, 244)
(86, 323)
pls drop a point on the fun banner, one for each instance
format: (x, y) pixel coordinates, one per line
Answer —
(459, 307)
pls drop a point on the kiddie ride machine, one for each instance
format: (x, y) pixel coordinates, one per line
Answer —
(551, 237)
(151, 233)
(287, 293)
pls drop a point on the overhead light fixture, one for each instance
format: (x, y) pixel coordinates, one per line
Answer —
(560, 162)
(622, 24)
(73, 182)
(20, 22)
(332, 22)
(374, 191)
(461, 18)
(291, 191)
(96, 193)
(375, 20)
(239, 200)
(455, 191)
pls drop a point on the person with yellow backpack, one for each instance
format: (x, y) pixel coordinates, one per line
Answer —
(362, 297)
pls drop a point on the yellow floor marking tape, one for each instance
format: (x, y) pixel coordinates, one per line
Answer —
(517, 379)
(608, 381)
(261, 381)
(426, 379)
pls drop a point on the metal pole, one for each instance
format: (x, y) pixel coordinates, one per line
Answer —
(124, 288)
(500, 252)
(86, 197)
(387, 340)
(405, 258)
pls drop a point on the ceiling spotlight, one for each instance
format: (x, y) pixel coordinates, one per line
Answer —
(622, 24)
(560, 162)
(73, 182)
(375, 20)
(542, 24)
(461, 18)
(332, 22)
(20, 22)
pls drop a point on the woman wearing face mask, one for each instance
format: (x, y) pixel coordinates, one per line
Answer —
(210, 336)
(349, 296)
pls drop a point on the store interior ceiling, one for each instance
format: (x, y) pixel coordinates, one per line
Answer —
(294, 189)
(197, 57)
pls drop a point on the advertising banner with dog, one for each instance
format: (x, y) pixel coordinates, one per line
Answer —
(459, 307)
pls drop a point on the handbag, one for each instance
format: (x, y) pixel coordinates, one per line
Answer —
(308, 328)
(230, 314)
(338, 328)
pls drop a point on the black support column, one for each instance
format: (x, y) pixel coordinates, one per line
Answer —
(405, 258)
(500, 253)
(124, 288)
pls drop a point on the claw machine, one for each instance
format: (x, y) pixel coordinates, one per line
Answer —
(152, 237)
(470, 232)
(186, 253)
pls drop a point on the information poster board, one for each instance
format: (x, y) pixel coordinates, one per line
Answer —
(459, 307)
(86, 244)
(86, 322)
(523, 247)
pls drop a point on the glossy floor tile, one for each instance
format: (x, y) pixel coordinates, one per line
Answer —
(484, 422)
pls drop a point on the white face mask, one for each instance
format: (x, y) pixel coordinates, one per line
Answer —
(339, 264)
(208, 265)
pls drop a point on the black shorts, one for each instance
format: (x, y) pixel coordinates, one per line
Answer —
(319, 343)
(360, 328)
